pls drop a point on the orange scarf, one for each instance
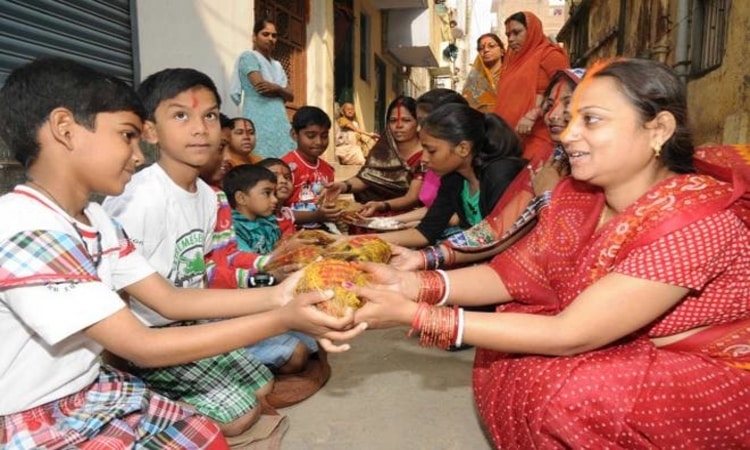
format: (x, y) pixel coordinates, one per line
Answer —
(516, 90)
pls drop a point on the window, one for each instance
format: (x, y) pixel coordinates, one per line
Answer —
(710, 21)
(364, 46)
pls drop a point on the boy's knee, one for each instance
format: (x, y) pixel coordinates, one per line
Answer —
(242, 423)
(298, 361)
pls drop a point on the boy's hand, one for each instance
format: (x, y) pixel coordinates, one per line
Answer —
(371, 208)
(302, 315)
(329, 211)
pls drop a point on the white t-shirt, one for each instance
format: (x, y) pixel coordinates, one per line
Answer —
(170, 226)
(46, 301)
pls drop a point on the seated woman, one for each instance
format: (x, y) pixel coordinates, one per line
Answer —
(392, 172)
(426, 103)
(352, 142)
(617, 329)
(477, 156)
(514, 213)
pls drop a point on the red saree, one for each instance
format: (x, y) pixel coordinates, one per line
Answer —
(631, 394)
(526, 74)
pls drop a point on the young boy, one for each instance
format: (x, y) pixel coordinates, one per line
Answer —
(170, 214)
(310, 128)
(251, 191)
(62, 260)
(251, 194)
(284, 214)
(241, 143)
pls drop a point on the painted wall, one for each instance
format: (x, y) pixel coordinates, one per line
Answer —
(201, 34)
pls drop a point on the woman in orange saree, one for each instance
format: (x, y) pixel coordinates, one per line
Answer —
(636, 254)
(528, 66)
(480, 88)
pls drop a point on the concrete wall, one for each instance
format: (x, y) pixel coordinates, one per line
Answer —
(201, 34)
(719, 102)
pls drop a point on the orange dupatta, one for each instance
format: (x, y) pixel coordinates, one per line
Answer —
(517, 90)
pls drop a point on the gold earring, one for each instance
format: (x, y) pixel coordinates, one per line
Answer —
(657, 149)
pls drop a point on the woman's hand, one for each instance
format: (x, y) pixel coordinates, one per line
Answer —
(371, 208)
(525, 125)
(332, 191)
(403, 258)
(329, 212)
(528, 120)
(387, 277)
(546, 177)
(266, 88)
(383, 308)
(302, 315)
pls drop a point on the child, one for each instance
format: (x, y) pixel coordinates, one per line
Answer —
(310, 128)
(241, 143)
(213, 171)
(250, 190)
(170, 214)
(284, 214)
(251, 194)
(63, 259)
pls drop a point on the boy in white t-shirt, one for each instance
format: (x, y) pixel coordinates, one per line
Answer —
(62, 260)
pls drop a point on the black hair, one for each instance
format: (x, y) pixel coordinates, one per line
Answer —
(243, 178)
(438, 97)
(225, 121)
(260, 24)
(402, 100)
(310, 115)
(169, 83)
(652, 87)
(270, 162)
(494, 37)
(519, 17)
(31, 92)
(233, 122)
(490, 136)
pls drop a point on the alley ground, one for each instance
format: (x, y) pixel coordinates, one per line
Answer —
(387, 392)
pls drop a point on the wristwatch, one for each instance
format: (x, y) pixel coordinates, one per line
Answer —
(260, 279)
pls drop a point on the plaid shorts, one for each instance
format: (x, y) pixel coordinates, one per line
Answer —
(114, 412)
(221, 387)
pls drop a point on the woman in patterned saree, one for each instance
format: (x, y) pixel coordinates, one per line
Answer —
(624, 318)
(392, 174)
(480, 89)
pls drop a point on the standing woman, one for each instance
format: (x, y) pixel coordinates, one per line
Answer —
(264, 85)
(527, 69)
(480, 89)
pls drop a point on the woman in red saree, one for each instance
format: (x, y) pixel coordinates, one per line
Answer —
(623, 317)
(528, 66)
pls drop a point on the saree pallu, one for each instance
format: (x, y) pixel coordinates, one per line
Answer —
(480, 88)
(386, 175)
(630, 394)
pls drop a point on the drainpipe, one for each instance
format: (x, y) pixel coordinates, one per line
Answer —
(682, 60)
